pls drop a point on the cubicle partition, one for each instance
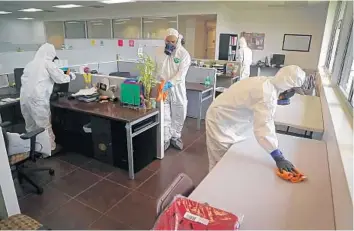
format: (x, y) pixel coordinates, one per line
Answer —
(129, 66)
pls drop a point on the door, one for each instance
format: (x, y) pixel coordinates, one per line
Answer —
(211, 36)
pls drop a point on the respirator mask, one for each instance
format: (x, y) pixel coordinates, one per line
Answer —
(169, 48)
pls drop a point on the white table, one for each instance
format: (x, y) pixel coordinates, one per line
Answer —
(244, 182)
(303, 114)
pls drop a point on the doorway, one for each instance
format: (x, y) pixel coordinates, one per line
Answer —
(211, 37)
(199, 32)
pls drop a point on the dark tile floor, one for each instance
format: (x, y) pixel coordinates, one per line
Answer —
(87, 194)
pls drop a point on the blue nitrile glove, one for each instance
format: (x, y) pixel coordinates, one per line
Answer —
(167, 86)
(281, 162)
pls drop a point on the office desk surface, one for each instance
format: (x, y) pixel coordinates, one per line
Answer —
(108, 110)
(244, 182)
(304, 112)
(196, 87)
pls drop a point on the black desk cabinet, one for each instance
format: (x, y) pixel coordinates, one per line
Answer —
(107, 142)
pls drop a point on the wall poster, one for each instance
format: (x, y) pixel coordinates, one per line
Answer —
(255, 41)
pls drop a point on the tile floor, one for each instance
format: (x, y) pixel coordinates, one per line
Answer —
(87, 194)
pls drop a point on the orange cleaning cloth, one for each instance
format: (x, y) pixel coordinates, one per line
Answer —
(161, 95)
(292, 177)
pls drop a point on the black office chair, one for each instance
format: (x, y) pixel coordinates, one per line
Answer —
(17, 161)
(120, 74)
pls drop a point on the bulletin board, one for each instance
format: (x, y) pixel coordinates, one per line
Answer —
(255, 41)
(297, 42)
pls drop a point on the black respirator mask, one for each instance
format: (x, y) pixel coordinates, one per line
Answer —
(169, 48)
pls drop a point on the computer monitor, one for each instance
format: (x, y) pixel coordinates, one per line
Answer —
(278, 60)
(18, 72)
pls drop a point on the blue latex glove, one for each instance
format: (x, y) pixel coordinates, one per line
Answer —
(281, 162)
(167, 86)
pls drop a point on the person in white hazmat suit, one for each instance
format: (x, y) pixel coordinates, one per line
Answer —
(172, 66)
(249, 103)
(37, 84)
(245, 58)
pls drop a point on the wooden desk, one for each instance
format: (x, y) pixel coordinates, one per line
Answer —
(225, 80)
(203, 93)
(101, 117)
(244, 182)
(303, 113)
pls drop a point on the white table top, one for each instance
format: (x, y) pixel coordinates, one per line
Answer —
(304, 112)
(244, 183)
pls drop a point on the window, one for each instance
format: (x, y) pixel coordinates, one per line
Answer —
(55, 33)
(155, 27)
(335, 34)
(127, 28)
(75, 29)
(100, 28)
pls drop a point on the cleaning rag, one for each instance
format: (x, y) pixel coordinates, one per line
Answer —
(290, 176)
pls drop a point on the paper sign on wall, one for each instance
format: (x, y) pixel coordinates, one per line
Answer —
(93, 42)
(120, 42)
(140, 51)
(131, 43)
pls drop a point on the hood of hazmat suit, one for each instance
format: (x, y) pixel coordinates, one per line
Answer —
(37, 84)
(248, 104)
(174, 68)
(245, 58)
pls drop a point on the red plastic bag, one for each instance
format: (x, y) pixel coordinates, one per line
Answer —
(185, 214)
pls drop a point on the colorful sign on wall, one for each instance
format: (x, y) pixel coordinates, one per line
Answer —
(131, 43)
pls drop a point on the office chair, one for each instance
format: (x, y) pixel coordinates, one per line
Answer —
(120, 74)
(182, 185)
(17, 160)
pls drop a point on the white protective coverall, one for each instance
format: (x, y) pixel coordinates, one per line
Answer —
(37, 83)
(246, 104)
(246, 59)
(174, 68)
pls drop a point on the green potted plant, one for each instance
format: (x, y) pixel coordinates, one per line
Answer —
(146, 67)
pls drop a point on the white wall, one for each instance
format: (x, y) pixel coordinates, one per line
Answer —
(20, 33)
(275, 22)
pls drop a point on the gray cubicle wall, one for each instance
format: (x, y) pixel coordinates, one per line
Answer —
(79, 83)
(198, 75)
(131, 67)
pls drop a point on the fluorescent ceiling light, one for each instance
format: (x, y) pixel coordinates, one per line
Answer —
(67, 6)
(155, 18)
(97, 24)
(116, 1)
(148, 21)
(72, 22)
(172, 21)
(119, 23)
(5, 12)
(25, 18)
(122, 19)
(93, 21)
(31, 10)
